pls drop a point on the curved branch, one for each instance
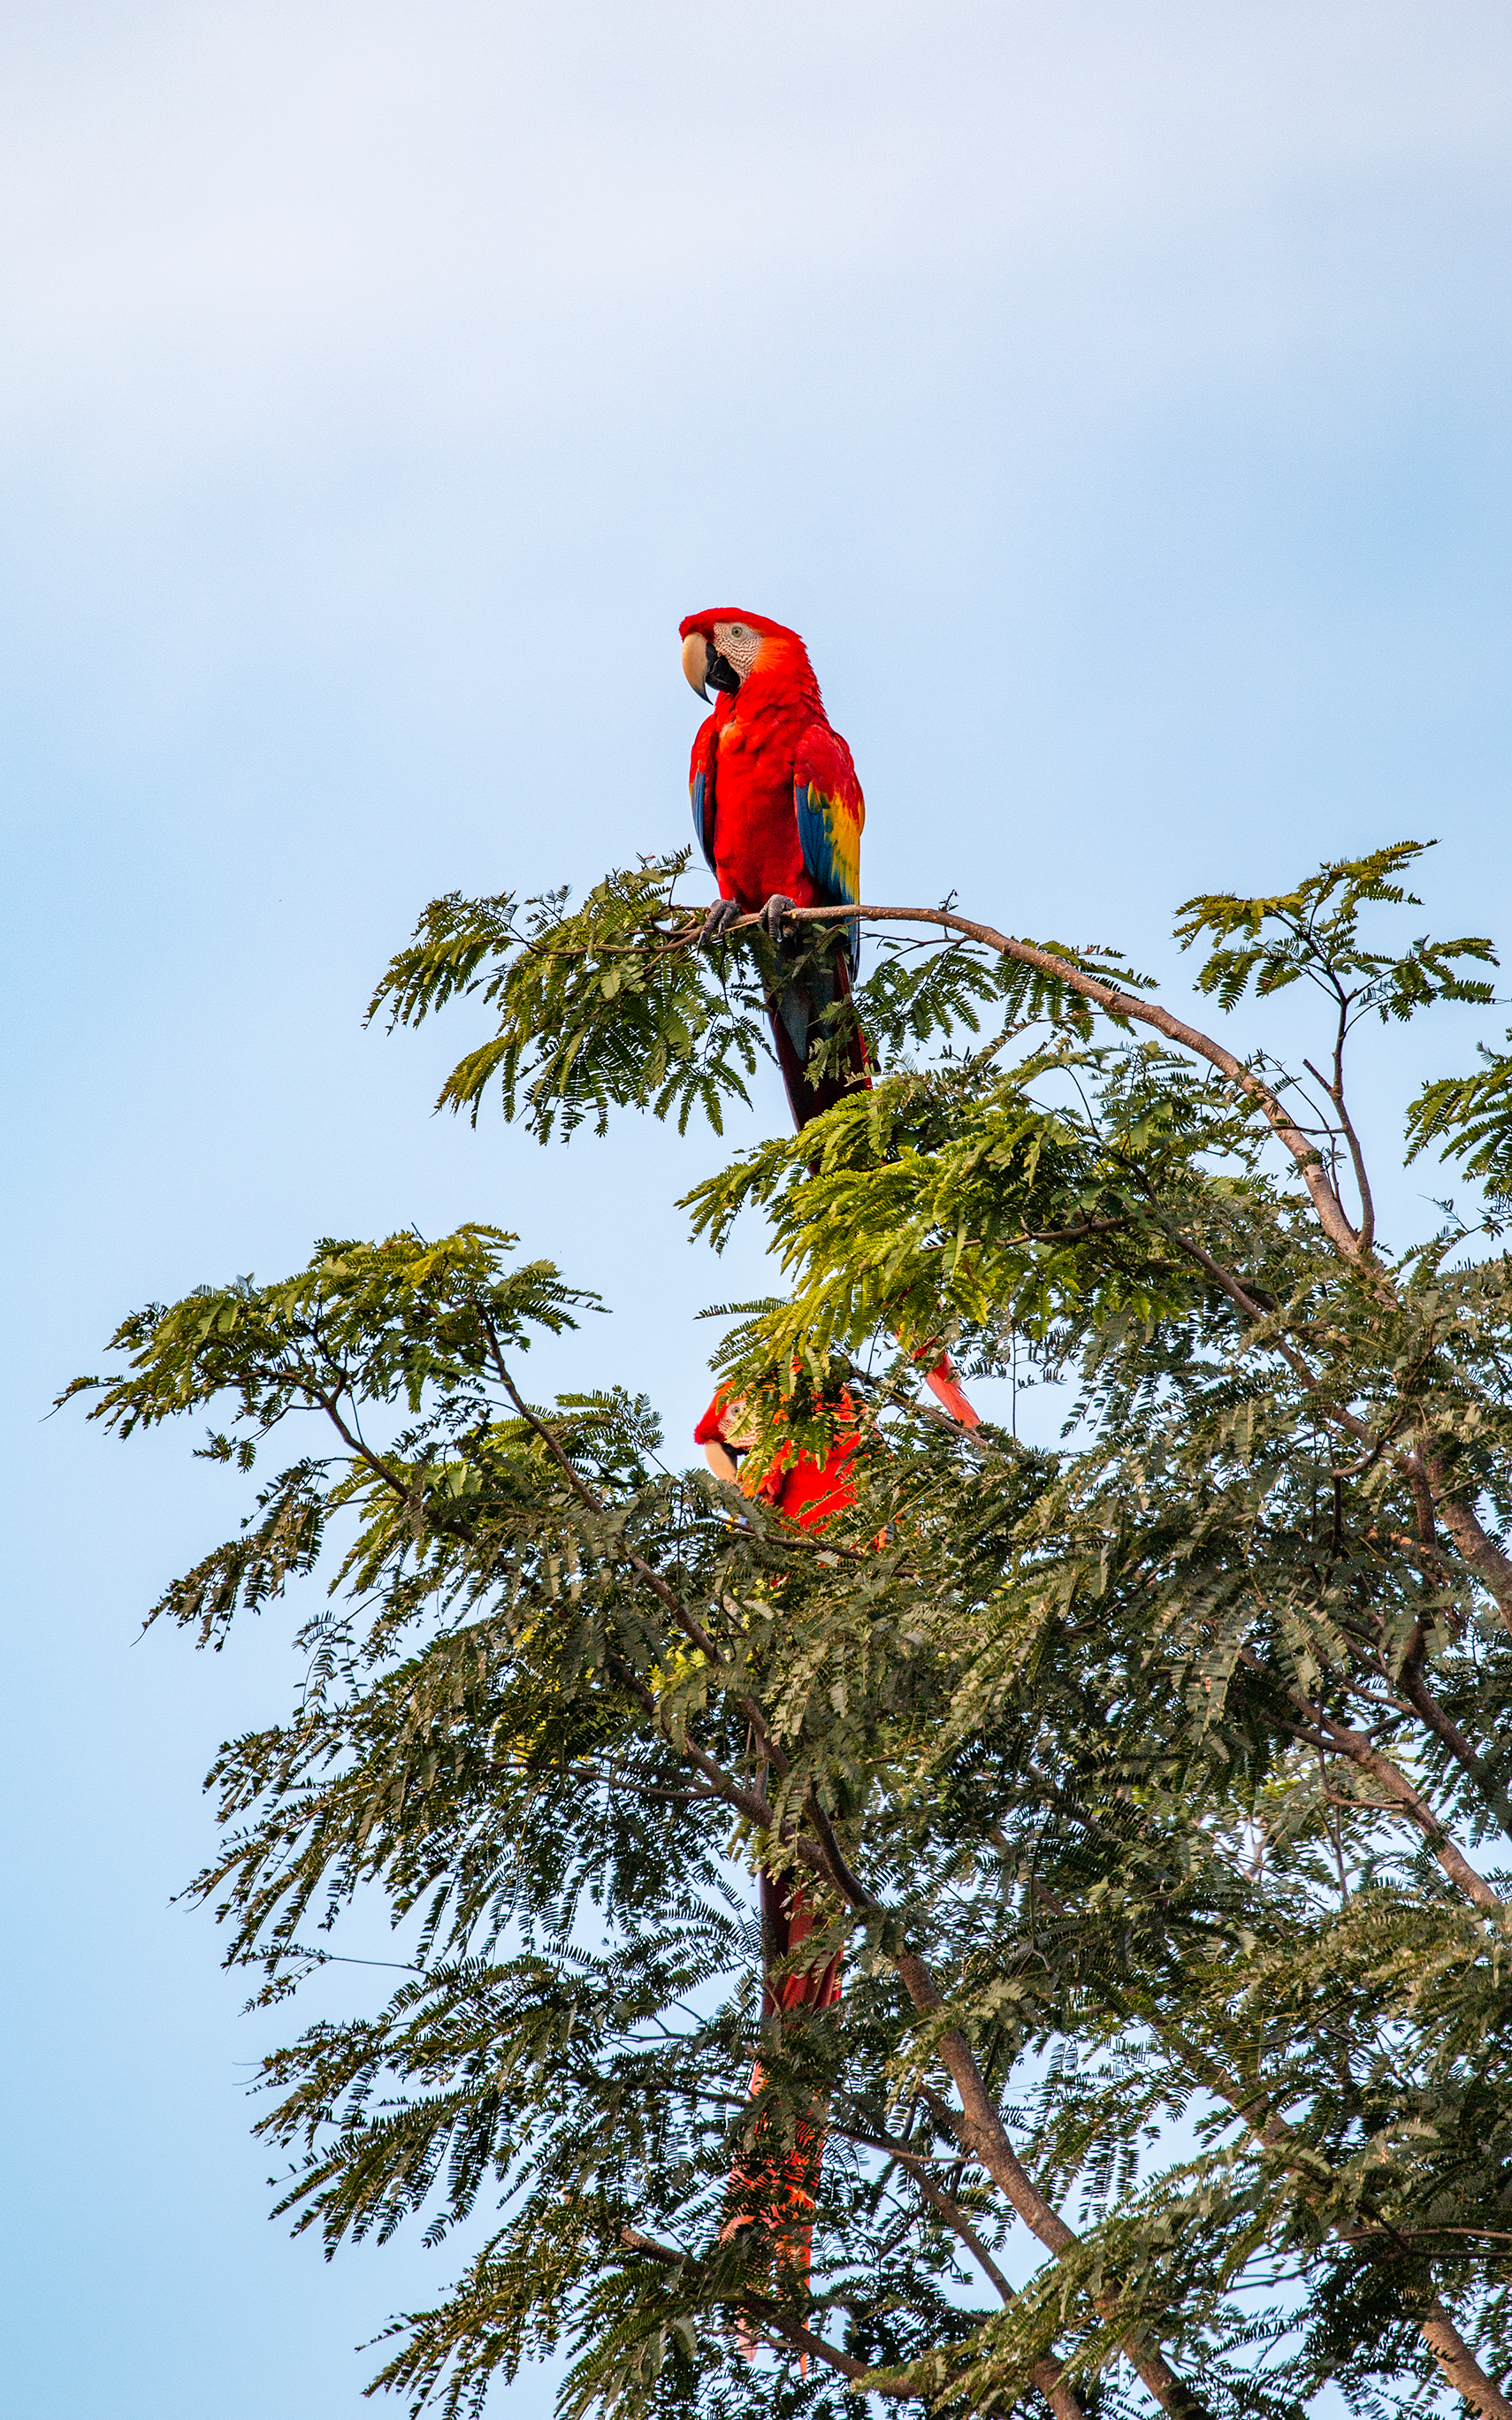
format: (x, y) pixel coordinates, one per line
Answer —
(978, 2128)
(1322, 1729)
(1127, 1008)
(781, 2329)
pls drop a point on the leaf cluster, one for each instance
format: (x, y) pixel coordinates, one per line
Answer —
(1155, 1787)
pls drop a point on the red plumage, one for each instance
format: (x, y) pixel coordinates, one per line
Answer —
(778, 813)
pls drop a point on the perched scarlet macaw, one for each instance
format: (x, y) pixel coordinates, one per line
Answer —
(777, 811)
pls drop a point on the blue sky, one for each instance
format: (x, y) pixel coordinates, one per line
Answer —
(1115, 396)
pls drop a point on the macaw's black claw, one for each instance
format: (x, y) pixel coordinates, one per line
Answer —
(772, 915)
(723, 913)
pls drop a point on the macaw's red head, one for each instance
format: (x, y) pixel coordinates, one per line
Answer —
(725, 646)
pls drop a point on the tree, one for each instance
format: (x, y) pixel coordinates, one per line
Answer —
(1155, 1787)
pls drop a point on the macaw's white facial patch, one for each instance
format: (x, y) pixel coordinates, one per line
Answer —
(738, 1425)
(739, 644)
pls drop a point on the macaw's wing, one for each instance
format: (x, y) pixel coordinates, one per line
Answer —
(701, 787)
(832, 812)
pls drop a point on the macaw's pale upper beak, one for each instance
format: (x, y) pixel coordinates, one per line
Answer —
(697, 653)
(703, 664)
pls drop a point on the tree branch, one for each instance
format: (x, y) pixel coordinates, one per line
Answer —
(1328, 1731)
(978, 2128)
(1126, 1007)
(792, 2335)
(1442, 1725)
(1481, 1552)
(1460, 2369)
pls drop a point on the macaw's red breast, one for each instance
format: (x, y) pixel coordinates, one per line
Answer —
(757, 847)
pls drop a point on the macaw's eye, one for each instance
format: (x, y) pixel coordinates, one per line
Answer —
(738, 630)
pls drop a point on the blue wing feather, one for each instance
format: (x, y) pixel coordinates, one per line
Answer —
(816, 842)
(701, 789)
(816, 837)
(699, 832)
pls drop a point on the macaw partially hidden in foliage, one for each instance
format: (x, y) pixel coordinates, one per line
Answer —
(775, 2190)
(777, 813)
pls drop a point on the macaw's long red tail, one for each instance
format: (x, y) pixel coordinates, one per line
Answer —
(775, 2189)
(774, 2186)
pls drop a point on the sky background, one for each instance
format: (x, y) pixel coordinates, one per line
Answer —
(1115, 396)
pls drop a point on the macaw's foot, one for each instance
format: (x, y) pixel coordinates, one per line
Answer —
(717, 923)
(772, 915)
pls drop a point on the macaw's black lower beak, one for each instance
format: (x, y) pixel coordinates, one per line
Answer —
(722, 672)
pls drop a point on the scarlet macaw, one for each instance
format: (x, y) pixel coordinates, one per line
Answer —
(782, 2185)
(777, 813)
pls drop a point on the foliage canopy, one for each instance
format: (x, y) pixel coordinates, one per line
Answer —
(1155, 1786)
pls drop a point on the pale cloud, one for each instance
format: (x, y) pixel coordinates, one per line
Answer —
(218, 223)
